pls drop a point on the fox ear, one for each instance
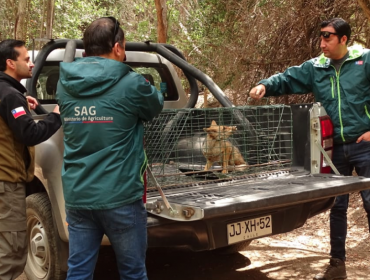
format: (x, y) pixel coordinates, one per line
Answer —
(213, 122)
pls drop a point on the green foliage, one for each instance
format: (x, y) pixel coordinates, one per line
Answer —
(72, 17)
(139, 21)
(236, 42)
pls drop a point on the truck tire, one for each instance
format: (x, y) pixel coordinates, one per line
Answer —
(44, 259)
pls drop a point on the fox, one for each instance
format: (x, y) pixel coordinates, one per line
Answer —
(216, 148)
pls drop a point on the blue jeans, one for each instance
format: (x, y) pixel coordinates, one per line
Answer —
(345, 158)
(126, 229)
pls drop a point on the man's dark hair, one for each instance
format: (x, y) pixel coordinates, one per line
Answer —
(101, 35)
(340, 26)
(8, 51)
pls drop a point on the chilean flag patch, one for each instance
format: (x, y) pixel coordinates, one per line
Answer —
(17, 112)
(360, 62)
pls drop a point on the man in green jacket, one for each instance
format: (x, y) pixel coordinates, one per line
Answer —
(103, 104)
(340, 79)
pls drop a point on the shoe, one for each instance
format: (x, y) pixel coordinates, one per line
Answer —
(335, 270)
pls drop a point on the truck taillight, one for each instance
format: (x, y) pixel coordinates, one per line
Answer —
(145, 180)
(145, 186)
(327, 130)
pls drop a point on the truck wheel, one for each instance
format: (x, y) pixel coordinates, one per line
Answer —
(43, 260)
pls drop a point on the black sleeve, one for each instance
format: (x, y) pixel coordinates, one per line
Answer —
(14, 110)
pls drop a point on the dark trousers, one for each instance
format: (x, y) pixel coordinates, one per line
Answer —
(13, 237)
(345, 158)
(125, 227)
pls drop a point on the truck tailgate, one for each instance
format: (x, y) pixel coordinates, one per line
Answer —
(254, 193)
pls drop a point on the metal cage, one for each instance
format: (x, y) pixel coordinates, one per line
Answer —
(176, 143)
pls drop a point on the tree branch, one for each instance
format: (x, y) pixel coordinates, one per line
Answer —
(365, 6)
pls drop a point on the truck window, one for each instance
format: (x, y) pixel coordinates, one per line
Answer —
(47, 83)
(160, 77)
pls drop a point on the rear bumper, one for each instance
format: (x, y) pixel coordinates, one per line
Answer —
(211, 233)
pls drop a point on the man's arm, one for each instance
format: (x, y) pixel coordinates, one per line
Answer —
(146, 98)
(32, 102)
(296, 79)
(14, 110)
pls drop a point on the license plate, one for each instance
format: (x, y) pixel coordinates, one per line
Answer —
(249, 229)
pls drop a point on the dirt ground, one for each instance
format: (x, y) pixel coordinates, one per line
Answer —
(297, 255)
(304, 252)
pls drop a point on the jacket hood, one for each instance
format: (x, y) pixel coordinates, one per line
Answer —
(324, 62)
(91, 76)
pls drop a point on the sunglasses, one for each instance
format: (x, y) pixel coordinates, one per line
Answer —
(115, 31)
(326, 34)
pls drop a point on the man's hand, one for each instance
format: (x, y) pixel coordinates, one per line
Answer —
(32, 102)
(364, 137)
(56, 109)
(258, 92)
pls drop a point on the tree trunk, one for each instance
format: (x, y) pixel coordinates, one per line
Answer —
(365, 6)
(42, 20)
(161, 8)
(21, 21)
(49, 18)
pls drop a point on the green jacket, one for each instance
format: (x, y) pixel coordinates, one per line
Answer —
(345, 94)
(103, 104)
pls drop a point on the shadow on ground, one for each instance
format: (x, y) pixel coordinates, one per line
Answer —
(169, 264)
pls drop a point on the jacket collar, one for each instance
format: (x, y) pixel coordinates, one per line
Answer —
(323, 62)
(13, 82)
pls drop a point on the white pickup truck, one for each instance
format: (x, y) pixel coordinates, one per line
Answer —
(287, 181)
